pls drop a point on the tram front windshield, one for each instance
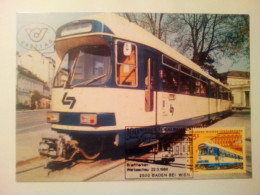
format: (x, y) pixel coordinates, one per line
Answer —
(203, 150)
(84, 66)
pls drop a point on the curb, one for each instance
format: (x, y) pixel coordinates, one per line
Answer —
(35, 110)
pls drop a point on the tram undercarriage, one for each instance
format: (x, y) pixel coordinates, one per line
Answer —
(67, 149)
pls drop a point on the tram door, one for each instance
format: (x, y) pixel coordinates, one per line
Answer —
(150, 100)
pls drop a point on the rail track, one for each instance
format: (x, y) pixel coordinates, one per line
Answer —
(80, 170)
(36, 171)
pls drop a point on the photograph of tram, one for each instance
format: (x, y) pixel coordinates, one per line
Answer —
(120, 96)
(111, 74)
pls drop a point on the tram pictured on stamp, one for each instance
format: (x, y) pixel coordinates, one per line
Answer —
(112, 74)
(215, 156)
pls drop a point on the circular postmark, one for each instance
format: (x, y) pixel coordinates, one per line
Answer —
(36, 36)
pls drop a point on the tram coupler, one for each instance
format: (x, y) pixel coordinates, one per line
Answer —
(48, 147)
(59, 149)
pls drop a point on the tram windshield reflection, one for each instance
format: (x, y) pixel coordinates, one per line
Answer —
(89, 65)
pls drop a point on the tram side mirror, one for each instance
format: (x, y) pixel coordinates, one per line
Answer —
(127, 49)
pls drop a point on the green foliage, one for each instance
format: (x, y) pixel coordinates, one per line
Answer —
(210, 36)
(237, 35)
(204, 38)
(35, 98)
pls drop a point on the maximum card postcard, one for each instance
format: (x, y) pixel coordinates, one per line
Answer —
(132, 96)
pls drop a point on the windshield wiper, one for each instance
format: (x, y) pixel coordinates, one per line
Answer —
(88, 82)
(72, 70)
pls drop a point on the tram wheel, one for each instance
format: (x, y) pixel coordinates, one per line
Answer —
(92, 147)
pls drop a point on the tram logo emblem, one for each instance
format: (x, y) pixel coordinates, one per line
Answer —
(66, 100)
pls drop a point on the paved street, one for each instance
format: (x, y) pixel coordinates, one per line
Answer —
(238, 119)
(30, 127)
(31, 120)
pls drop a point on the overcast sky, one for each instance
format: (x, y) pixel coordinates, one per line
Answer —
(55, 20)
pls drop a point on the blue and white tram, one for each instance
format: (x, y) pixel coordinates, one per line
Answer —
(113, 74)
(211, 155)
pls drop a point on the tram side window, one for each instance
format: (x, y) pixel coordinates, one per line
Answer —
(225, 94)
(225, 154)
(203, 89)
(229, 96)
(203, 151)
(213, 90)
(217, 91)
(170, 79)
(221, 92)
(195, 87)
(210, 151)
(170, 62)
(185, 84)
(221, 152)
(126, 66)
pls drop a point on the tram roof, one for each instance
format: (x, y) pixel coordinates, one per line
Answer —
(124, 29)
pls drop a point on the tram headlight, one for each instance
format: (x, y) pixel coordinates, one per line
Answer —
(88, 119)
(53, 117)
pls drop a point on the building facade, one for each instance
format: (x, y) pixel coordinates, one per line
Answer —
(27, 83)
(35, 74)
(38, 64)
(239, 83)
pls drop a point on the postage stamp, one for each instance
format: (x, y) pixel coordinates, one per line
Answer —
(218, 150)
